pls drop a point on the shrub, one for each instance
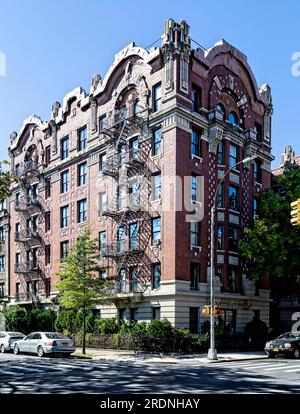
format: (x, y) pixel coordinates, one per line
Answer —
(16, 318)
(134, 328)
(106, 326)
(65, 322)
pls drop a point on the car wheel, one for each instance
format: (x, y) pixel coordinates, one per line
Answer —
(40, 351)
(16, 350)
(296, 353)
(271, 355)
(2, 348)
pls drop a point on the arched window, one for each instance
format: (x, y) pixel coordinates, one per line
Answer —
(136, 107)
(221, 109)
(233, 118)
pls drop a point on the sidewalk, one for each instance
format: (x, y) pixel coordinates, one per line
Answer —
(122, 356)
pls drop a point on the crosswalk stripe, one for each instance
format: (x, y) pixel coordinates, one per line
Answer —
(241, 365)
(276, 368)
(293, 370)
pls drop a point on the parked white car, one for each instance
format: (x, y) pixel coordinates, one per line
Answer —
(42, 343)
(8, 339)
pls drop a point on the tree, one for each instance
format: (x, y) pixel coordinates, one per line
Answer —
(6, 180)
(272, 246)
(80, 287)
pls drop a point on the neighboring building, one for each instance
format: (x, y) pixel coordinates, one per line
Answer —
(171, 111)
(4, 250)
(285, 292)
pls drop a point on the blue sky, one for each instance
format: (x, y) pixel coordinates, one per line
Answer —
(51, 47)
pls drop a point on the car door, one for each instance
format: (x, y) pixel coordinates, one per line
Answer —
(24, 344)
(34, 342)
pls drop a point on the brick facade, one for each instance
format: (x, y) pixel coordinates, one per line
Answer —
(193, 82)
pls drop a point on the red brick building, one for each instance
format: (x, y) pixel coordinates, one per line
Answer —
(169, 112)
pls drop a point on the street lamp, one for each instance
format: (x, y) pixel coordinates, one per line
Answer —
(212, 352)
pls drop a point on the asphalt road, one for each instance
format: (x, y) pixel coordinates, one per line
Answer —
(24, 374)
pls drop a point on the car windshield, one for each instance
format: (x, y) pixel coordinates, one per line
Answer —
(55, 335)
(289, 335)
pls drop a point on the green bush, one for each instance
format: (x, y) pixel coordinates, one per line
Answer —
(134, 328)
(16, 319)
(65, 322)
(106, 326)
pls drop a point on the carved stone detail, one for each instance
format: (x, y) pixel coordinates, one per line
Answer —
(215, 137)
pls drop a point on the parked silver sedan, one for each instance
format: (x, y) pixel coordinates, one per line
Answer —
(8, 339)
(42, 343)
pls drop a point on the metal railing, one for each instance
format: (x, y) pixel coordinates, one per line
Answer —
(27, 267)
(23, 203)
(28, 167)
(28, 234)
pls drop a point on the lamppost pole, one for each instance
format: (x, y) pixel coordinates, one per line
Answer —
(212, 352)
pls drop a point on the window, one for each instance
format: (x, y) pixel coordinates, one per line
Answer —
(233, 198)
(156, 314)
(194, 233)
(137, 107)
(196, 98)
(232, 280)
(219, 273)
(193, 320)
(102, 242)
(258, 129)
(257, 171)
(233, 238)
(64, 217)
(122, 315)
(122, 278)
(47, 254)
(233, 118)
(194, 188)
(102, 161)
(194, 276)
(47, 188)
(2, 289)
(102, 122)
(156, 141)
(229, 321)
(2, 263)
(64, 145)
(81, 210)
(82, 174)
(221, 195)
(254, 208)
(47, 221)
(17, 229)
(17, 291)
(156, 93)
(102, 202)
(156, 186)
(221, 110)
(2, 234)
(102, 275)
(133, 314)
(133, 236)
(121, 239)
(3, 203)
(64, 248)
(134, 272)
(156, 275)
(64, 181)
(233, 156)
(155, 231)
(221, 153)
(196, 144)
(220, 236)
(47, 155)
(82, 138)
(134, 148)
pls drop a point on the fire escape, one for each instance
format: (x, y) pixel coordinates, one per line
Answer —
(130, 167)
(30, 236)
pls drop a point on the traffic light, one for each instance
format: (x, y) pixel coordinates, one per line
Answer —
(295, 213)
(217, 310)
(205, 310)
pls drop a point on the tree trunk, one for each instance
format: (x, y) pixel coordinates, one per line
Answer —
(83, 333)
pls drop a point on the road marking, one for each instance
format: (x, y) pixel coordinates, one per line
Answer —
(282, 367)
(293, 370)
(20, 367)
(241, 365)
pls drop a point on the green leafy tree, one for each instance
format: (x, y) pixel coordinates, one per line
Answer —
(6, 180)
(80, 287)
(16, 318)
(272, 246)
